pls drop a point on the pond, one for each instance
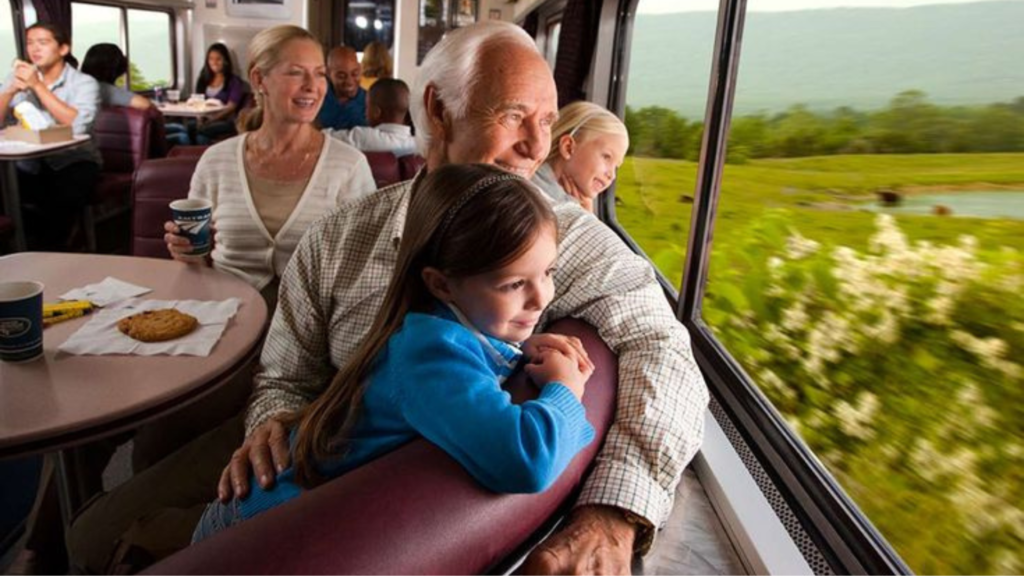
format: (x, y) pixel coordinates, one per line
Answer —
(968, 203)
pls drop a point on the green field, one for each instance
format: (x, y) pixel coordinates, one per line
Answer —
(891, 345)
(822, 193)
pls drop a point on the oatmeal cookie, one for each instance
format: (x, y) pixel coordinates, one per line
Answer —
(157, 325)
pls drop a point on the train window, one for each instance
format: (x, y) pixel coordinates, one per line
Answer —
(868, 253)
(8, 44)
(149, 40)
(94, 24)
(664, 115)
(553, 30)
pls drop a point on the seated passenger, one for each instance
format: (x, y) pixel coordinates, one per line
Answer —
(59, 184)
(376, 64)
(106, 63)
(270, 183)
(386, 107)
(345, 104)
(217, 81)
(588, 144)
(444, 340)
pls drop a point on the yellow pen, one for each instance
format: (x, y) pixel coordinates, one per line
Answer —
(65, 315)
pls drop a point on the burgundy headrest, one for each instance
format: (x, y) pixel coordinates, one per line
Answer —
(384, 166)
(157, 182)
(409, 165)
(177, 151)
(122, 135)
(413, 511)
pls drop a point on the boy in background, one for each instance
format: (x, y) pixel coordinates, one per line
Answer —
(387, 104)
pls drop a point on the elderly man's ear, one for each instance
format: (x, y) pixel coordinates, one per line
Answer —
(440, 120)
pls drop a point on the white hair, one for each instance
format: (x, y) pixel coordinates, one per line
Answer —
(452, 67)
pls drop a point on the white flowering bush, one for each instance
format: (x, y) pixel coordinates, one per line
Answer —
(901, 365)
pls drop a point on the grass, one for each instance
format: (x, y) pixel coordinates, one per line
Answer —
(917, 384)
(824, 193)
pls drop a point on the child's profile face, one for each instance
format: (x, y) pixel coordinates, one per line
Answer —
(507, 303)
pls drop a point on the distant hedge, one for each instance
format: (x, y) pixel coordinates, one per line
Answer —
(909, 125)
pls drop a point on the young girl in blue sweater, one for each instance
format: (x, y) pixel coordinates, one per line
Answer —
(473, 276)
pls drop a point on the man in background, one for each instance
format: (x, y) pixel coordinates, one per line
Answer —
(344, 106)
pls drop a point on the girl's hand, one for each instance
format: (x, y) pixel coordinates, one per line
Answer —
(553, 366)
(568, 345)
(179, 246)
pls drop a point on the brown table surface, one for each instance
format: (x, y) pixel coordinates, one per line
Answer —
(62, 400)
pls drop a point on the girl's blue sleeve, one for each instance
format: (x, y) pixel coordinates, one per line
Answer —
(451, 396)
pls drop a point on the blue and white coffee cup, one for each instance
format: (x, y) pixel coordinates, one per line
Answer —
(21, 321)
(192, 216)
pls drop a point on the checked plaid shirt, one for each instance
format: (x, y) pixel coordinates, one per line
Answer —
(336, 280)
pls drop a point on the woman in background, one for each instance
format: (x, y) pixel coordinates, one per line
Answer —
(217, 80)
(376, 64)
(106, 63)
(588, 144)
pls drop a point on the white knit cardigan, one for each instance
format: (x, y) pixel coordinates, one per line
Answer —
(242, 244)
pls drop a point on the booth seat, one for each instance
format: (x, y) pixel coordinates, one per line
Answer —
(412, 511)
(157, 182)
(125, 137)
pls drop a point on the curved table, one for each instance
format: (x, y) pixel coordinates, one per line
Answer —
(62, 400)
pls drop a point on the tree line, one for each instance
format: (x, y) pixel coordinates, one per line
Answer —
(910, 124)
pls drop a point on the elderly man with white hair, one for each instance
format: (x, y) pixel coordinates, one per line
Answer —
(484, 94)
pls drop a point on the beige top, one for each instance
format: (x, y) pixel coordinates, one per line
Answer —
(274, 199)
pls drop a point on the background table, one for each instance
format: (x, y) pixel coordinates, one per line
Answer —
(10, 152)
(62, 400)
(182, 110)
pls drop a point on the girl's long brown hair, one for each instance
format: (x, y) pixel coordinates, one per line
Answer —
(463, 220)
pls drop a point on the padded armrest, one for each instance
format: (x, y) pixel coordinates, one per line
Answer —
(413, 511)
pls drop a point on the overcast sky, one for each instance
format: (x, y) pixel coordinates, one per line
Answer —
(664, 6)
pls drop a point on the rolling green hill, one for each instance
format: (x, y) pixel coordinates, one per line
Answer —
(957, 54)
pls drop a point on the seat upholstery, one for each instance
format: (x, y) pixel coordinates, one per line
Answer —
(412, 511)
(177, 151)
(409, 165)
(125, 137)
(384, 166)
(157, 182)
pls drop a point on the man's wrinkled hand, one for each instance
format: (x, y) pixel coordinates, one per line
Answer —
(596, 540)
(264, 452)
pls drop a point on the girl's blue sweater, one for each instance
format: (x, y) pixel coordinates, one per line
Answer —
(440, 380)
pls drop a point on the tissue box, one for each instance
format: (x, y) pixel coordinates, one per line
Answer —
(46, 136)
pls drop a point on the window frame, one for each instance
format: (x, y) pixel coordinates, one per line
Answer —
(123, 8)
(837, 527)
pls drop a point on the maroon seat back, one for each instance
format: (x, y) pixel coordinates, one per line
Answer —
(157, 182)
(384, 166)
(157, 133)
(177, 151)
(413, 511)
(123, 136)
(409, 165)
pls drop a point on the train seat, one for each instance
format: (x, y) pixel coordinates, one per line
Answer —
(413, 511)
(157, 182)
(124, 137)
(177, 151)
(384, 166)
(409, 165)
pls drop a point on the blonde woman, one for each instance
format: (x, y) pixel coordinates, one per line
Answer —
(376, 64)
(271, 182)
(588, 144)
